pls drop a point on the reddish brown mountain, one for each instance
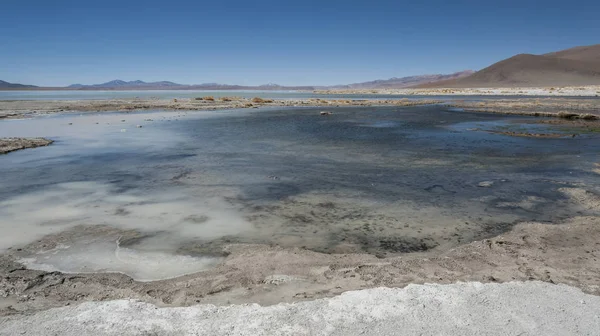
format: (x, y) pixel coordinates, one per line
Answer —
(575, 66)
(584, 53)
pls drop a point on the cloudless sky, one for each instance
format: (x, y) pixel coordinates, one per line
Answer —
(61, 42)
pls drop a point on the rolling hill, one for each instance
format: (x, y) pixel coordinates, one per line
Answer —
(7, 85)
(584, 53)
(570, 67)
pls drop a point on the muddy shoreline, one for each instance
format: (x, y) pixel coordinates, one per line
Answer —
(565, 253)
(568, 109)
(8, 145)
(585, 109)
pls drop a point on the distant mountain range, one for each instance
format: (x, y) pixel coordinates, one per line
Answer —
(7, 85)
(392, 83)
(166, 85)
(117, 84)
(570, 67)
(403, 82)
(123, 84)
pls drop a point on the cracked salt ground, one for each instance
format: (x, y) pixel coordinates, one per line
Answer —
(463, 309)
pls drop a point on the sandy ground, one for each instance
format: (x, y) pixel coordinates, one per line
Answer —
(532, 308)
(590, 91)
(12, 144)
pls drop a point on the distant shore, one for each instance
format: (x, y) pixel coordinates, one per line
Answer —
(574, 91)
(561, 107)
(582, 91)
(10, 109)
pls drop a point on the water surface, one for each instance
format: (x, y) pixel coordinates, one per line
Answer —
(381, 180)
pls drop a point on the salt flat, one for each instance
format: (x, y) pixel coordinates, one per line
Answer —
(462, 309)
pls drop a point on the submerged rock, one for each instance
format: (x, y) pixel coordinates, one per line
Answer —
(486, 184)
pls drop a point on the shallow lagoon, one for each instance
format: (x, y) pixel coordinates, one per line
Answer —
(171, 194)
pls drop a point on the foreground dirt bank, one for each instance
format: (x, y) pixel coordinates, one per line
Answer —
(566, 253)
(531, 308)
(13, 144)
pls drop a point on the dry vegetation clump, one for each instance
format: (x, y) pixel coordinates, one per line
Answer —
(589, 117)
(567, 115)
(226, 99)
(208, 98)
(259, 100)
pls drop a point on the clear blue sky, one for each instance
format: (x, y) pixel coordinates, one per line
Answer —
(59, 42)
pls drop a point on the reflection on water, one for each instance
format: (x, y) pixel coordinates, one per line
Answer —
(58, 207)
(106, 257)
(380, 180)
(164, 220)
